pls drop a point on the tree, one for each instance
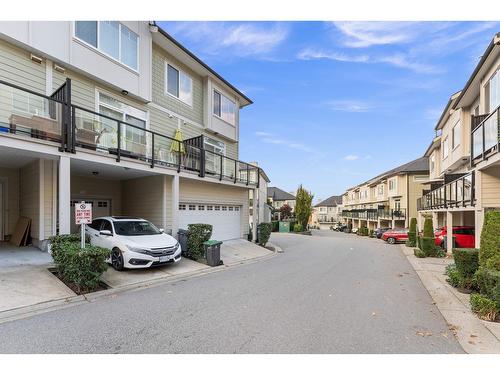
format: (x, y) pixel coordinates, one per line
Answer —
(285, 211)
(303, 206)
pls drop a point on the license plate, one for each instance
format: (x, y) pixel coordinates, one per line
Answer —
(165, 258)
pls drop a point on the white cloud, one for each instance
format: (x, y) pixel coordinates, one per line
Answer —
(311, 54)
(351, 157)
(270, 138)
(263, 134)
(229, 38)
(348, 106)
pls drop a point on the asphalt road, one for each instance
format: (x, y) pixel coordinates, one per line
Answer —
(328, 293)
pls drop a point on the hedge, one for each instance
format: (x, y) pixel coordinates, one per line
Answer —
(466, 260)
(428, 228)
(490, 237)
(275, 225)
(197, 234)
(428, 246)
(297, 227)
(484, 307)
(264, 233)
(489, 283)
(412, 233)
(81, 267)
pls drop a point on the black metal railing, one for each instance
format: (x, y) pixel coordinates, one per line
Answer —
(375, 214)
(485, 137)
(54, 118)
(457, 193)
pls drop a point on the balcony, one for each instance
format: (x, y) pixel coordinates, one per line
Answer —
(457, 193)
(374, 214)
(485, 136)
(53, 118)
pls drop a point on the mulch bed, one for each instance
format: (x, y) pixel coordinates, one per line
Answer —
(74, 287)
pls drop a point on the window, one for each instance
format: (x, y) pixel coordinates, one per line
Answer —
(179, 84)
(392, 184)
(224, 108)
(432, 162)
(210, 208)
(380, 190)
(212, 161)
(131, 137)
(201, 208)
(445, 148)
(231, 208)
(192, 207)
(96, 224)
(322, 209)
(112, 38)
(494, 91)
(106, 225)
(236, 208)
(455, 135)
(217, 208)
(182, 207)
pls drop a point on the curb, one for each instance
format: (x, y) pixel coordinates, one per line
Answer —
(62, 303)
(472, 333)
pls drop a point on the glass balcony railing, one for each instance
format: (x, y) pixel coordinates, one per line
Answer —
(486, 137)
(457, 193)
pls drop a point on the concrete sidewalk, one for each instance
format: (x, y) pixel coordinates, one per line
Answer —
(29, 289)
(476, 336)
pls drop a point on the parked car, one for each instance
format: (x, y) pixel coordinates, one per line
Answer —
(354, 230)
(134, 242)
(393, 236)
(380, 231)
(464, 236)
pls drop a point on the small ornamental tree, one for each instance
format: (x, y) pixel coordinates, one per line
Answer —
(285, 212)
(412, 233)
(303, 206)
(427, 240)
(490, 237)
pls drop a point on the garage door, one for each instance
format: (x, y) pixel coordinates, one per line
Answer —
(100, 207)
(225, 219)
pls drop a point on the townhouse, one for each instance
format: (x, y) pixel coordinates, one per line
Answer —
(464, 160)
(277, 198)
(327, 212)
(121, 115)
(387, 200)
(263, 210)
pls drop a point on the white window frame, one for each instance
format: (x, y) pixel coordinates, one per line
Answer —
(97, 49)
(445, 147)
(394, 183)
(495, 75)
(181, 71)
(220, 104)
(135, 112)
(432, 160)
(453, 133)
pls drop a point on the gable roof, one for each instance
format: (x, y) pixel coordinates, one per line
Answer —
(333, 201)
(279, 195)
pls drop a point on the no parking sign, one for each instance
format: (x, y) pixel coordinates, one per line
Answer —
(83, 213)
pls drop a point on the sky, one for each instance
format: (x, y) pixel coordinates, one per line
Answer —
(336, 103)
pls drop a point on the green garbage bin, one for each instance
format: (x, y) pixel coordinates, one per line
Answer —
(284, 227)
(212, 252)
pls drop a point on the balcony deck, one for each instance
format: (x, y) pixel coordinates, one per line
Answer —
(485, 137)
(455, 194)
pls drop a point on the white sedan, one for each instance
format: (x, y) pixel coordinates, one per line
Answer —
(134, 242)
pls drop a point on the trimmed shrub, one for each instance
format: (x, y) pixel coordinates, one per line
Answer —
(419, 242)
(488, 281)
(428, 228)
(490, 237)
(372, 233)
(484, 307)
(197, 234)
(264, 233)
(493, 263)
(466, 260)
(412, 233)
(298, 228)
(419, 253)
(80, 267)
(275, 225)
(455, 279)
(428, 246)
(413, 225)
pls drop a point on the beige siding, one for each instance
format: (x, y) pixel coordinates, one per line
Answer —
(490, 187)
(205, 192)
(195, 113)
(48, 191)
(415, 191)
(97, 188)
(10, 179)
(143, 197)
(29, 200)
(16, 67)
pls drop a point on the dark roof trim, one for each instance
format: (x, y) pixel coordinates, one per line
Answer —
(332, 201)
(447, 108)
(494, 41)
(193, 56)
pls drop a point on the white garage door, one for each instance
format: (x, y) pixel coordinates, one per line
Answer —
(225, 219)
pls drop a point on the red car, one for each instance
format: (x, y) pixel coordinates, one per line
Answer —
(464, 236)
(395, 235)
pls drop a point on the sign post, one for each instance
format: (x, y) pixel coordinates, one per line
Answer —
(83, 215)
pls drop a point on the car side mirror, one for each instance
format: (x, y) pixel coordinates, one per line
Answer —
(105, 233)
(162, 230)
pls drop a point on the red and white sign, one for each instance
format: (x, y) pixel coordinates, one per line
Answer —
(83, 213)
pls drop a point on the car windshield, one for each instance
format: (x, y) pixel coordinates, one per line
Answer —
(135, 228)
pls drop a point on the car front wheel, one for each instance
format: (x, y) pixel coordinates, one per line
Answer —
(117, 259)
(391, 240)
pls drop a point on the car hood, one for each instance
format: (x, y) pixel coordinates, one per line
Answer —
(150, 241)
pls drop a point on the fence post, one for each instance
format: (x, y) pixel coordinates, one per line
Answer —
(179, 156)
(221, 172)
(235, 171)
(119, 141)
(152, 150)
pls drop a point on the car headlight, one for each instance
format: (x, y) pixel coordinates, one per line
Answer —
(136, 249)
(177, 246)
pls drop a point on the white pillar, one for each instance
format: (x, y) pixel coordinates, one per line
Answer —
(449, 231)
(64, 196)
(419, 221)
(41, 200)
(175, 205)
(479, 221)
(255, 213)
(435, 221)
(164, 203)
